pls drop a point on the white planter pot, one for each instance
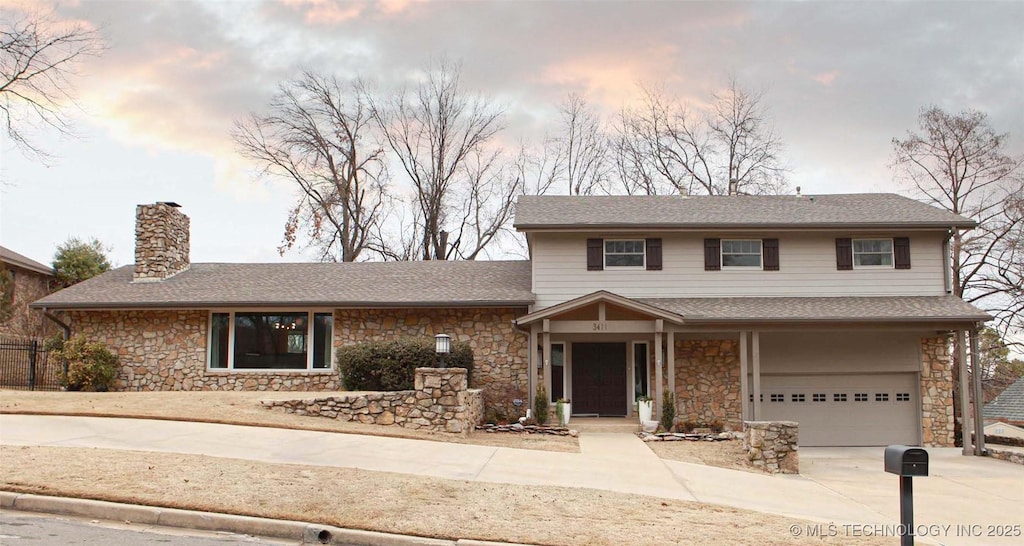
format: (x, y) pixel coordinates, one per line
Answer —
(566, 413)
(645, 409)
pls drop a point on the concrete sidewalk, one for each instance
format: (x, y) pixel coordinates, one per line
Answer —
(844, 486)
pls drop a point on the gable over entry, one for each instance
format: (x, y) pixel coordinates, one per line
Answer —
(625, 325)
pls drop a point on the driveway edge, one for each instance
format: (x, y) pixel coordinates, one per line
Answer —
(211, 521)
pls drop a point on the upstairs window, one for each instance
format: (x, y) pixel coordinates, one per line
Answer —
(741, 253)
(624, 253)
(872, 253)
(638, 253)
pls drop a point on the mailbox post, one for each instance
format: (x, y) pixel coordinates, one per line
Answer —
(906, 462)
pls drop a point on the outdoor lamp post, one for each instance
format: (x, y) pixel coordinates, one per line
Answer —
(442, 346)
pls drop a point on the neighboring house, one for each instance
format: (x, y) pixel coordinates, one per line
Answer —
(29, 281)
(834, 311)
(1007, 408)
(1004, 430)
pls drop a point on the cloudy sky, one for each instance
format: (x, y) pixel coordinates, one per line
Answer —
(841, 79)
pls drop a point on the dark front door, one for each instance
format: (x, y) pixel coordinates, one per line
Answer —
(599, 378)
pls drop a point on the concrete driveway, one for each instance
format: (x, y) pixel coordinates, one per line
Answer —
(965, 500)
(965, 497)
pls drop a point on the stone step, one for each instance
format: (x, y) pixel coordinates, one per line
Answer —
(624, 425)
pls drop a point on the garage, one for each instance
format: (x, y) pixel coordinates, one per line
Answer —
(846, 409)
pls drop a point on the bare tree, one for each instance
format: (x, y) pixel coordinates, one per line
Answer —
(958, 162)
(443, 138)
(315, 137)
(39, 57)
(581, 146)
(732, 148)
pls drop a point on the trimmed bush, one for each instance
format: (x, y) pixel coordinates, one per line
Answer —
(540, 405)
(90, 366)
(391, 365)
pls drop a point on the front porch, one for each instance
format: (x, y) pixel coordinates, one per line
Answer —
(857, 382)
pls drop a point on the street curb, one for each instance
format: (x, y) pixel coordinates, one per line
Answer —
(228, 523)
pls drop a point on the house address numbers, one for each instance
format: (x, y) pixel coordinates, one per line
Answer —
(599, 326)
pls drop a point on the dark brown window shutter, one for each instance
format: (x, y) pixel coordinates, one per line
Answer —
(654, 254)
(770, 254)
(844, 254)
(901, 252)
(712, 255)
(595, 254)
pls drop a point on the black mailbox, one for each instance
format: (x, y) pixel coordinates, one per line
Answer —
(906, 461)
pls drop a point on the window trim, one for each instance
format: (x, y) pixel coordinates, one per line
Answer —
(892, 253)
(760, 255)
(310, 344)
(604, 253)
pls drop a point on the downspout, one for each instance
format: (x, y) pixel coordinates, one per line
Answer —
(62, 324)
(979, 401)
(947, 266)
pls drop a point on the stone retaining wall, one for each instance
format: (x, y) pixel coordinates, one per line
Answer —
(441, 401)
(772, 445)
(1009, 455)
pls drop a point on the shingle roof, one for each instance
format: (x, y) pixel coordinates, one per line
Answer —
(379, 284)
(822, 309)
(865, 210)
(9, 256)
(1009, 405)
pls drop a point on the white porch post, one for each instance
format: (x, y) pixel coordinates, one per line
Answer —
(532, 360)
(979, 400)
(756, 343)
(964, 397)
(744, 382)
(547, 358)
(670, 358)
(659, 383)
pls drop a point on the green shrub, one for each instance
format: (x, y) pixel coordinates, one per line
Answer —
(668, 410)
(541, 405)
(391, 365)
(90, 366)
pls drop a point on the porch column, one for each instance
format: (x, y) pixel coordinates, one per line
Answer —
(744, 382)
(659, 383)
(547, 358)
(756, 349)
(979, 399)
(532, 361)
(964, 398)
(670, 359)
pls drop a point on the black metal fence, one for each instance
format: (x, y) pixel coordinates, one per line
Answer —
(25, 364)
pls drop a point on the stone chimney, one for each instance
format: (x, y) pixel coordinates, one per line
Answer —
(161, 242)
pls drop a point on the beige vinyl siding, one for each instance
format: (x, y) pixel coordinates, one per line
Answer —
(810, 352)
(807, 268)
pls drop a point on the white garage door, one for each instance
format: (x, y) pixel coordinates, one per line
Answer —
(846, 410)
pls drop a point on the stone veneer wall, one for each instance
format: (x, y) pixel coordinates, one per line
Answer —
(161, 242)
(772, 445)
(708, 382)
(936, 392)
(441, 401)
(29, 286)
(500, 351)
(166, 350)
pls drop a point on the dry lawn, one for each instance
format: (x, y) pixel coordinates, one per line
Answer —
(725, 454)
(389, 502)
(242, 408)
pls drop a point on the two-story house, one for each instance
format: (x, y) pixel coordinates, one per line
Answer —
(834, 311)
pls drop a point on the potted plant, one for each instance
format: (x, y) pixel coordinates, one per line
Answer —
(645, 408)
(563, 409)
